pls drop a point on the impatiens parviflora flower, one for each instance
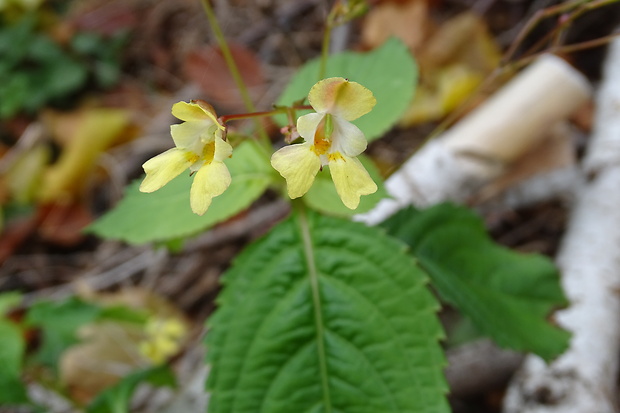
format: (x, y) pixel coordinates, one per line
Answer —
(330, 139)
(199, 147)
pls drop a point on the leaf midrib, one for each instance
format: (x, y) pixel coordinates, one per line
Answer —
(316, 301)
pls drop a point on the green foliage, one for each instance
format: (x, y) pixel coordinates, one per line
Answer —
(8, 301)
(37, 71)
(123, 314)
(59, 322)
(507, 295)
(166, 215)
(389, 72)
(325, 315)
(12, 346)
(323, 197)
(116, 399)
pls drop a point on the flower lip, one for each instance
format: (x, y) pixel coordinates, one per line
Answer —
(341, 97)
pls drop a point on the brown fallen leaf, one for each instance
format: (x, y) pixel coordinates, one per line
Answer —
(14, 233)
(453, 64)
(408, 21)
(464, 39)
(111, 349)
(105, 17)
(63, 224)
(207, 67)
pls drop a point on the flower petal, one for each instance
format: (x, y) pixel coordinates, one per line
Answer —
(210, 181)
(192, 135)
(338, 96)
(193, 111)
(223, 149)
(307, 124)
(347, 138)
(298, 164)
(165, 167)
(351, 179)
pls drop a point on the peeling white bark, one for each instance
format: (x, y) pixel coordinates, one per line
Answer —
(583, 379)
(479, 147)
(560, 184)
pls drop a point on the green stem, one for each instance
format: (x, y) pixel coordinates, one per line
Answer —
(232, 66)
(325, 49)
(316, 299)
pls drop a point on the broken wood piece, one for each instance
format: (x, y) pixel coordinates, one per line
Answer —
(583, 379)
(555, 151)
(480, 146)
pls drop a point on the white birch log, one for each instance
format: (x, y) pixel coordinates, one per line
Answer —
(583, 379)
(477, 148)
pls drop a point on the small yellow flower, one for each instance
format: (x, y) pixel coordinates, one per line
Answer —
(199, 147)
(330, 139)
(163, 339)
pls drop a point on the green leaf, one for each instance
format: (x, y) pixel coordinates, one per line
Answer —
(20, 33)
(323, 197)
(325, 315)
(508, 295)
(59, 322)
(8, 301)
(12, 390)
(14, 94)
(166, 214)
(116, 399)
(64, 76)
(124, 314)
(389, 72)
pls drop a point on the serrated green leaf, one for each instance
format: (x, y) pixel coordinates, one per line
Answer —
(325, 315)
(12, 346)
(508, 295)
(389, 72)
(166, 214)
(323, 197)
(116, 399)
(59, 322)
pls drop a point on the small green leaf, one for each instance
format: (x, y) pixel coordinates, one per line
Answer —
(12, 390)
(323, 197)
(165, 214)
(8, 301)
(389, 72)
(64, 76)
(116, 399)
(325, 315)
(124, 314)
(59, 322)
(507, 295)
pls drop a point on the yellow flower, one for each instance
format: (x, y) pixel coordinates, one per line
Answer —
(330, 139)
(199, 147)
(163, 339)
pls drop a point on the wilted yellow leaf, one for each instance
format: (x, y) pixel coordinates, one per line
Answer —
(23, 178)
(453, 63)
(95, 131)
